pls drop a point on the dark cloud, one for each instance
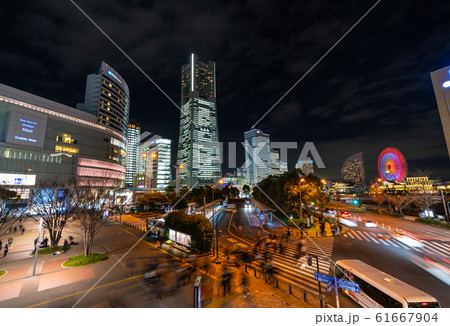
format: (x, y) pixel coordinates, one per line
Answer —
(373, 90)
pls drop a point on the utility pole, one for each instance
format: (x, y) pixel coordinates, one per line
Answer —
(445, 207)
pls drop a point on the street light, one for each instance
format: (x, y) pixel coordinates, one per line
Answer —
(178, 167)
(300, 195)
(217, 224)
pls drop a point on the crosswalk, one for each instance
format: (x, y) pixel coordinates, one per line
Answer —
(295, 271)
(440, 248)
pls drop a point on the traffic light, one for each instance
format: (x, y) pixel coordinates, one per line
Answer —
(309, 260)
(355, 202)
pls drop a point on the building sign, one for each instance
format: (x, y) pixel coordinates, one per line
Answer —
(26, 129)
(11, 179)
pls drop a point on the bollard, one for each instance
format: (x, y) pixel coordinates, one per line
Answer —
(304, 295)
(290, 289)
(316, 234)
(396, 229)
(389, 227)
(382, 225)
(254, 272)
(276, 283)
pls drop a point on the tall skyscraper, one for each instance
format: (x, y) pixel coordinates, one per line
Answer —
(107, 96)
(198, 145)
(441, 86)
(257, 155)
(353, 170)
(156, 163)
(307, 166)
(133, 155)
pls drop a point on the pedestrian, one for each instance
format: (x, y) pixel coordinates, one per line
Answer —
(1, 244)
(158, 244)
(15, 229)
(35, 241)
(333, 230)
(244, 285)
(23, 230)
(281, 248)
(6, 250)
(10, 241)
(226, 281)
(20, 221)
(288, 235)
(65, 245)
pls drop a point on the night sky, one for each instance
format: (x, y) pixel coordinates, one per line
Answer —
(373, 90)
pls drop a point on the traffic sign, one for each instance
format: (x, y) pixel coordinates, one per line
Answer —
(322, 277)
(351, 286)
(330, 285)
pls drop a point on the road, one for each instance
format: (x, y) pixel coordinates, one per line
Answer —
(291, 271)
(399, 256)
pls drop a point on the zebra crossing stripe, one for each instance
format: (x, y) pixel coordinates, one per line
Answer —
(401, 245)
(364, 236)
(437, 249)
(371, 235)
(350, 235)
(356, 235)
(393, 243)
(345, 235)
(440, 245)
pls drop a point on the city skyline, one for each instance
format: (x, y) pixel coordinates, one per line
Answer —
(389, 84)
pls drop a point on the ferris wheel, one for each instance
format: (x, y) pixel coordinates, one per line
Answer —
(392, 165)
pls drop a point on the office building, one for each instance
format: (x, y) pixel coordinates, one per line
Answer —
(353, 170)
(257, 155)
(307, 166)
(275, 161)
(441, 85)
(198, 145)
(107, 96)
(155, 161)
(133, 152)
(41, 141)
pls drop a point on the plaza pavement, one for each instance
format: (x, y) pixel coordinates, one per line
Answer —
(56, 286)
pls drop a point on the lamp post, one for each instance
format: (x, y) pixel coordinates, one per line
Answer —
(300, 195)
(318, 271)
(178, 167)
(36, 247)
(216, 222)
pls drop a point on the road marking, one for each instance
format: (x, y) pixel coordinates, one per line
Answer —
(350, 235)
(80, 292)
(371, 235)
(440, 245)
(345, 235)
(356, 235)
(437, 249)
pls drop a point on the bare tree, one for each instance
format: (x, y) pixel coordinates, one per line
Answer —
(10, 213)
(377, 194)
(401, 202)
(55, 203)
(93, 196)
(424, 195)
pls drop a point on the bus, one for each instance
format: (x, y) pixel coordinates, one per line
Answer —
(381, 290)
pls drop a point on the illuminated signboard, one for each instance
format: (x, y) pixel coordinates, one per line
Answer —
(113, 75)
(27, 128)
(11, 179)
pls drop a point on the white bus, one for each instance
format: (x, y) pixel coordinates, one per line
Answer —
(381, 290)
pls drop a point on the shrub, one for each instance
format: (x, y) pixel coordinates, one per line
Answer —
(2, 273)
(433, 222)
(82, 260)
(49, 250)
(385, 212)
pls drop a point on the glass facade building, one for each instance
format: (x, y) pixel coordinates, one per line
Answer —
(257, 155)
(42, 140)
(107, 96)
(441, 85)
(198, 145)
(133, 152)
(155, 166)
(307, 166)
(353, 170)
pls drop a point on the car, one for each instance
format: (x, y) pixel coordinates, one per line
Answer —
(345, 214)
(369, 224)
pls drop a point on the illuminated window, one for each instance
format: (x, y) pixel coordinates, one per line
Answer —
(65, 138)
(66, 149)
